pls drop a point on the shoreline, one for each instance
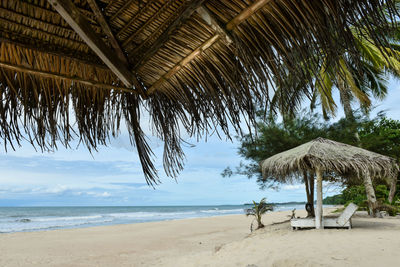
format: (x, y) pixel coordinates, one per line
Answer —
(136, 223)
(50, 218)
(211, 241)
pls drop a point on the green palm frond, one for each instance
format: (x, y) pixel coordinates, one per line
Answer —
(346, 76)
(257, 211)
(363, 75)
(323, 89)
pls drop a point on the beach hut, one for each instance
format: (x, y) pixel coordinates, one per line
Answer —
(326, 157)
(81, 68)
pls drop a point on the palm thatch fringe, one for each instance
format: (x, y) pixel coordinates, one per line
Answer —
(331, 157)
(280, 45)
(37, 107)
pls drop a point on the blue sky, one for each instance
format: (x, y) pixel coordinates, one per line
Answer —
(113, 176)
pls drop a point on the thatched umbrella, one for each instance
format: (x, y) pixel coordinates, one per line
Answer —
(326, 156)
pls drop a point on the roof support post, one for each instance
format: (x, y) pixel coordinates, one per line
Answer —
(318, 211)
(70, 13)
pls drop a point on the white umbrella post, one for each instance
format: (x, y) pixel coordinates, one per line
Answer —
(318, 212)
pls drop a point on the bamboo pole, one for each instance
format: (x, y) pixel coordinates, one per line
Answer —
(318, 211)
(135, 17)
(246, 13)
(78, 22)
(62, 77)
(231, 25)
(123, 8)
(182, 63)
(147, 23)
(183, 16)
(107, 30)
(44, 48)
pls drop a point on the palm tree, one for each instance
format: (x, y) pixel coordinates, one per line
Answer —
(355, 83)
(257, 211)
(370, 77)
(353, 77)
(352, 83)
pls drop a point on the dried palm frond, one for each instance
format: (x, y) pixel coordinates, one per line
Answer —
(331, 157)
(195, 80)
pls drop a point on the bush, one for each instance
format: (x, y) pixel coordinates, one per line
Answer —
(334, 200)
(356, 194)
(382, 193)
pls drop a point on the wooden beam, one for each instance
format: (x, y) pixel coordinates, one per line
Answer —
(183, 16)
(79, 23)
(53, 75)
(31, 5)
(124, 7)
(107, 30)
(210, 19)
(135, 17)
(47, 48)
(138, 48)
(21, 17)
(183, 62)
(150, 20)
(45, 33)
(242, 16)
(246, 13)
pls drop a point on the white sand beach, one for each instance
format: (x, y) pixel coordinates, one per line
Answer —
(215, 241)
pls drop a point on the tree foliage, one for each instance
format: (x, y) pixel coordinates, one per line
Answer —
(274, 137)
(379, 134)
(356, 194)
(356, 76)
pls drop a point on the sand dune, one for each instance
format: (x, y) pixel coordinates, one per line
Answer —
(216, 241)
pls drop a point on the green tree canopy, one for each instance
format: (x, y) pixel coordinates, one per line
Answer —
(379, 134)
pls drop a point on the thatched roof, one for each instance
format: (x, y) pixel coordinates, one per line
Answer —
(197, 64)
(330, 157)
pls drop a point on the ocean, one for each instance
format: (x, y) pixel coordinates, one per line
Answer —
(26, 219)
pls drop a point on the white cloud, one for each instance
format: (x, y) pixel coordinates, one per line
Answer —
(98, 194)
(59, 189)
(293, 187)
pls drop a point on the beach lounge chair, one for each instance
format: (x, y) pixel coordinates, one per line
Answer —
(343, 221)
